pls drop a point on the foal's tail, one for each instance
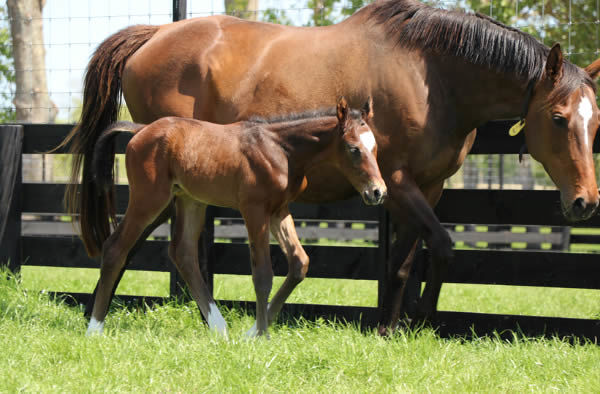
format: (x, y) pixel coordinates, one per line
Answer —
(103, 176)
(101, 104)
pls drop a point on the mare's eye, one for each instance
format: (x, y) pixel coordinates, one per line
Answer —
(560, 121)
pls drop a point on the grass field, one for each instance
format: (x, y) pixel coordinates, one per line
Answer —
(169, 349)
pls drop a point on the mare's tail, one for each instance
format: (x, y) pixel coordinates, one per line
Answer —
(101, 104)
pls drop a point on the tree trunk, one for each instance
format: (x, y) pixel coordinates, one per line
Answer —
(32, 101)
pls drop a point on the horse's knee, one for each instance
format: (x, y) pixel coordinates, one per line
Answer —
(299, 267)
(440, 246)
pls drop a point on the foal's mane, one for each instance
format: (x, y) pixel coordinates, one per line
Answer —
(307, 115)
(474, 37)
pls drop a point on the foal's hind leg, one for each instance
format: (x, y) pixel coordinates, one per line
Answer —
(183, 251)
(257, 223)
(163, 217)
(141, 211)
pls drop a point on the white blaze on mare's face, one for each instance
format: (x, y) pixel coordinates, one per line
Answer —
(585, 110)
(368, 140)
(215, 320)
(95, 327)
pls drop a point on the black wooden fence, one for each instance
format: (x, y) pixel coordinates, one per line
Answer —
(504, 267)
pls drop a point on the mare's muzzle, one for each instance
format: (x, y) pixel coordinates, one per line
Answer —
(581, 209)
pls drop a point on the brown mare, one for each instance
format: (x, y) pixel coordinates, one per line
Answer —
(434, 75)
(257, 167)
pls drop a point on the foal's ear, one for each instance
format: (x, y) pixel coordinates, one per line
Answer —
(593, 69)
(367, 109)
(342, 110)
(554, 63)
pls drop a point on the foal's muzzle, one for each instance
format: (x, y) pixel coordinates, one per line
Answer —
(374, 195)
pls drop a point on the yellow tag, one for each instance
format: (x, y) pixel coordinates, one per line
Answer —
(516, 128)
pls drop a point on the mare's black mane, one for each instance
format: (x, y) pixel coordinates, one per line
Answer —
(474, 37)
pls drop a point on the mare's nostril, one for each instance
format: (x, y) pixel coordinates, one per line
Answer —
(377, 194)
(579, 206)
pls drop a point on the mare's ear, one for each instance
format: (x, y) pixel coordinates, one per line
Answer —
(342, 110)
(594, 69)
(554, 63)
(367, 109)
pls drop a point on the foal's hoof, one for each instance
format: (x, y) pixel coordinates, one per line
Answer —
(254, 333)
(94, 328)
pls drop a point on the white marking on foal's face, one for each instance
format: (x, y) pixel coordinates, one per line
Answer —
(215, 320)
(95, 327)
(585, 111)
(368, 140)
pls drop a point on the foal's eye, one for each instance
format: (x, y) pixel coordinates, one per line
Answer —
(559, 121)
(354, 151)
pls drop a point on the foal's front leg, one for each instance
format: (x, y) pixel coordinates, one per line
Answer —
(183, 250)
(283, 229)
(257, 224)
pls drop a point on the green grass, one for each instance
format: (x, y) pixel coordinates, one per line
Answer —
(169, 349)
(535, 301)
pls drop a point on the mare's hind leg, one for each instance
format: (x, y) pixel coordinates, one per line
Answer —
(283, 229)
(141, 211)
(184, 253)
(257, 223)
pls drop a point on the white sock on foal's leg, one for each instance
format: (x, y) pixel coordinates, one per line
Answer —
(215, 320)
(252, 332)
(95, 327)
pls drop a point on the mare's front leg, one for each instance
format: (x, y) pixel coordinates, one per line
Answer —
(284, 231)
(257, 224)
(406, 201)
(183, 250)
(398, 269)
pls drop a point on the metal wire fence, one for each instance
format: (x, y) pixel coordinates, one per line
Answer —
(73, 28)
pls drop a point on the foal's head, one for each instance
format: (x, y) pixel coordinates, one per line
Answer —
(561, 126)
(355, 152)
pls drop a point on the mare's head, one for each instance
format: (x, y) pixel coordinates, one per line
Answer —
(562, 121)
(355, 152)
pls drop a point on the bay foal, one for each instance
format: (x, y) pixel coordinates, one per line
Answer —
(257, 167)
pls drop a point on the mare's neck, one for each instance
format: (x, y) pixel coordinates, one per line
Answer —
(477, 94)
(305, 142)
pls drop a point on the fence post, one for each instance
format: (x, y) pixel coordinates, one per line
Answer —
(179, 10)
(11, 144)
(383, 254)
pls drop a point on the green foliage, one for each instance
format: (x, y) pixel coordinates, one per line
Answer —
(7, 70)
(273, 15)
(236, 7)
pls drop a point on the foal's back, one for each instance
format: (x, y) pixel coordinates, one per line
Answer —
(215, 164)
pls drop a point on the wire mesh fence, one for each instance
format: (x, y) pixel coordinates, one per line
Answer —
(73, 28)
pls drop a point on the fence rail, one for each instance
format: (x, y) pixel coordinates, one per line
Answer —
(21, 242)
